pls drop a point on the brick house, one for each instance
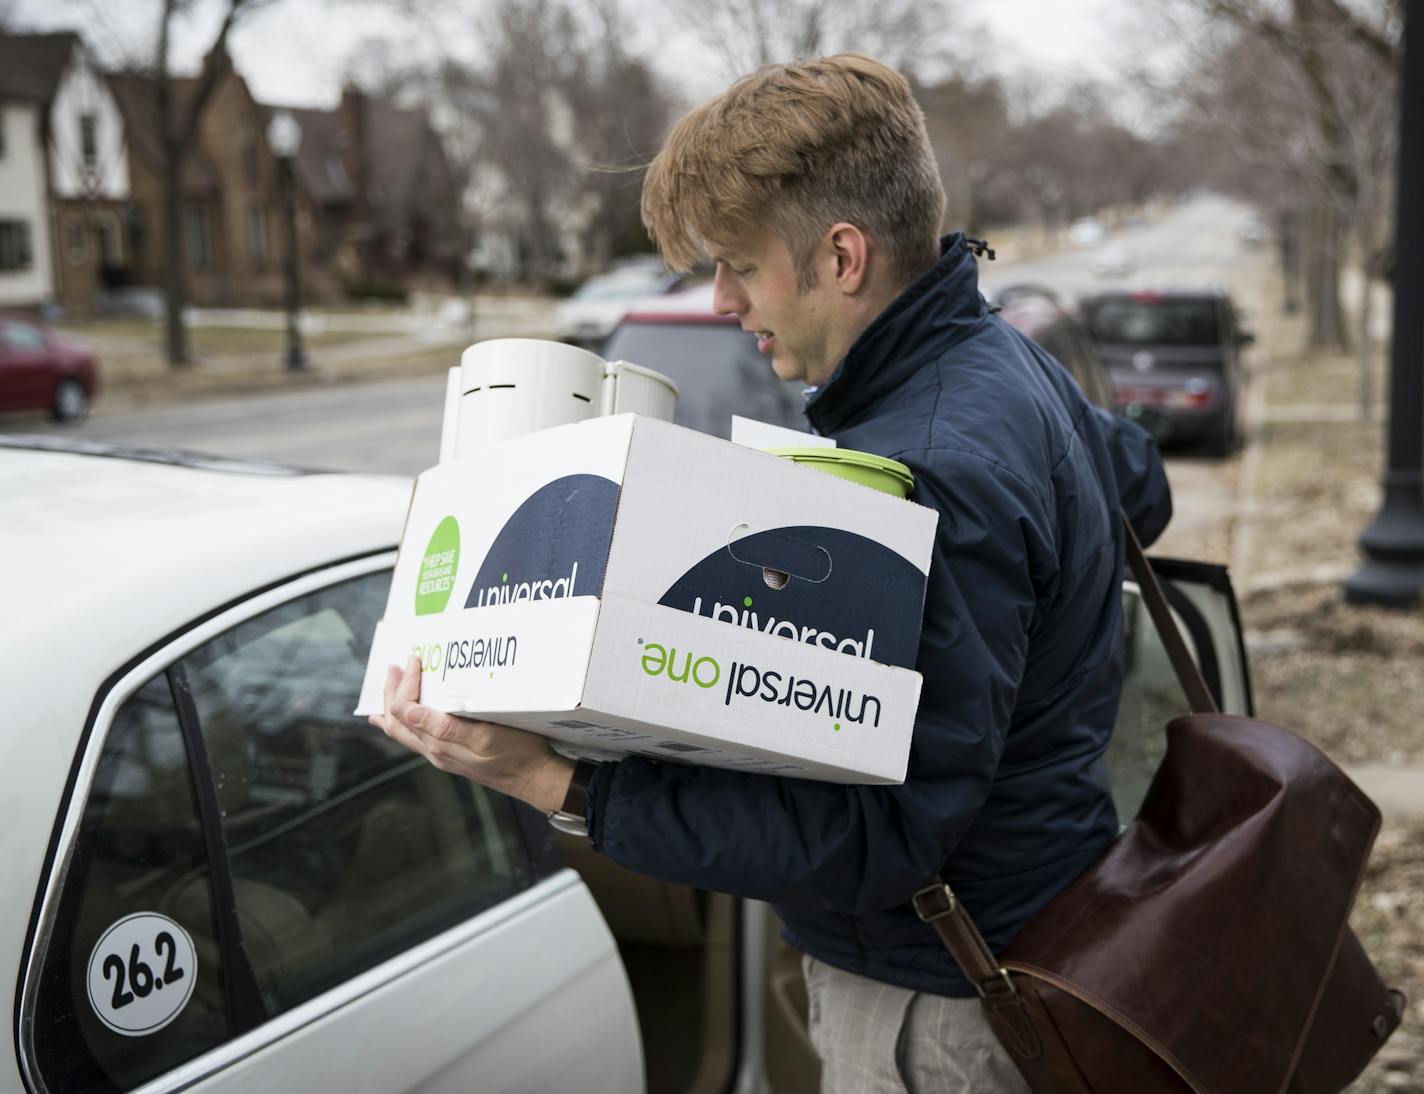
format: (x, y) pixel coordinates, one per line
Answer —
(386, 201)
(230, 185)
(376, 202)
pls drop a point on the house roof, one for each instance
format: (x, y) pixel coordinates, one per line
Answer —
(137, 96)
(31, 64)
(320, 163)
(395, 149)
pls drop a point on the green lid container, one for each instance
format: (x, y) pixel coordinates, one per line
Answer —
(876, 472)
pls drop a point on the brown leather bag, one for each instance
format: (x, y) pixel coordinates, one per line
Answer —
(1209, 949)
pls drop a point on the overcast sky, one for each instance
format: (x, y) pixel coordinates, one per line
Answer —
(296, 51)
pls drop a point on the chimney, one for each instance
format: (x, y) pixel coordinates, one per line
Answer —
(355, 144)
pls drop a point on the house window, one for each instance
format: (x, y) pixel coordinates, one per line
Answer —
(15, 253)
(196, 237)
(89, 139)
(257, 236)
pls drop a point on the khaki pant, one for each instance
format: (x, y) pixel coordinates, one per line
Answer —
(875, 1038)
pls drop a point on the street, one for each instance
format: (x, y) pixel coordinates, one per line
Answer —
(393, 426)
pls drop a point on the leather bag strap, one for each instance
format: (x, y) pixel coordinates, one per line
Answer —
(1013, 1008)
(1199, 697)
(1014, 1011)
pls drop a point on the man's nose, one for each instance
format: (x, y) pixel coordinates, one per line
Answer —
(727, 298)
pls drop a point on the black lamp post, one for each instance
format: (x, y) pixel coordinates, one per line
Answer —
(284, 136)
(1393, 571)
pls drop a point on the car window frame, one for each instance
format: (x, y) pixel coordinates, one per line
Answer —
(159, 659)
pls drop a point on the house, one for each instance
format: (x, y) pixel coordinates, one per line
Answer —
(27, 64)
(82, 250)
(230, 196)
(384, 195)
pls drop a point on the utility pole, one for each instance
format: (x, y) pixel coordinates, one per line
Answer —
(1392, 573)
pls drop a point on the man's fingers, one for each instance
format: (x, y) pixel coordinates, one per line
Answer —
(409, 686)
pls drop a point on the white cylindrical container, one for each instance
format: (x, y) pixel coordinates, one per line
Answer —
(629, 387)
(512, 386)
(450, 421)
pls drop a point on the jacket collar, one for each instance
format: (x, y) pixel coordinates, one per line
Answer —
(936, 311)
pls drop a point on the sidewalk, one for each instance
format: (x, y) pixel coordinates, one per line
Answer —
(238, 351)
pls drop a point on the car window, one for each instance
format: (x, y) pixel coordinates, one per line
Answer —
(1146, 322)
(250, 843)
(345, 849)
(140, 848)
(22, 336)
(718, 371)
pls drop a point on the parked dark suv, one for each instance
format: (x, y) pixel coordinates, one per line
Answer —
(1177, 354)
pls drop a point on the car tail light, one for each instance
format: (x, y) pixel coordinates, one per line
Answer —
(1177, 398)
(1146, 296)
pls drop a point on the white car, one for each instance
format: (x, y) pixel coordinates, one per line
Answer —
(1086, 232)
(218, 879)
(590, 314)
(1112, 260)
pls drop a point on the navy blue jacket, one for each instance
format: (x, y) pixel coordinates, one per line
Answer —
(1021, 654)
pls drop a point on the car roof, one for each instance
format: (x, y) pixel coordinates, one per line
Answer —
(105, 557)
(1152, 296)
(1032, 314)
(692, 304)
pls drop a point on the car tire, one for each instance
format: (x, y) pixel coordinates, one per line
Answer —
(71, 401)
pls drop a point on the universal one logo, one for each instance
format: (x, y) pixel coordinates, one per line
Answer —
(508, 593)
(744, 681)
(494, 651)
(745, 616)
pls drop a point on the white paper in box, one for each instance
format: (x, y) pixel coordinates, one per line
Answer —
(524, 574)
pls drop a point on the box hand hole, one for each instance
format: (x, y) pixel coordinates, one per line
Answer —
(775, 579)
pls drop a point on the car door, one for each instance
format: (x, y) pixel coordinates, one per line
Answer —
(26, 366)
(256, 890)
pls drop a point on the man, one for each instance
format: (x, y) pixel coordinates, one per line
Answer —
(814, 189)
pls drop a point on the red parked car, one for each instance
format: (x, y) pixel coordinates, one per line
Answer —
(41, 371)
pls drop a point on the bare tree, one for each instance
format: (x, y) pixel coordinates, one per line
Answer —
(743, 34)
(620, 112)
(1330, 47)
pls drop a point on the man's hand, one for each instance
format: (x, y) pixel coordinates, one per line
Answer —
(509, 760)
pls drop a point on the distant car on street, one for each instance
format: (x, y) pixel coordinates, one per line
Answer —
(1177, 354)
(590, 314)
(716, 365)
(39, 370)
(1112, 260)
(1036, 312)
(1087, 232)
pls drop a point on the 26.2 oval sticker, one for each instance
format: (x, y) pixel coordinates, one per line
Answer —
(141, 974)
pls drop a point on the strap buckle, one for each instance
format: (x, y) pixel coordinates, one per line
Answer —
(998, 990)
(934, 902)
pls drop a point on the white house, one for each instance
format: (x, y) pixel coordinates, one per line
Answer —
(64, 175)
(88, 182)
(26, 263)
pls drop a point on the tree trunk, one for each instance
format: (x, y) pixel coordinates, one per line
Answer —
(1322, 277)
(175, 336)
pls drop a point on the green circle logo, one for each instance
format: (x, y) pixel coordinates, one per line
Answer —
(437, 568)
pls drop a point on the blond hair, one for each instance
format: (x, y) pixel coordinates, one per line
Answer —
(797, 148)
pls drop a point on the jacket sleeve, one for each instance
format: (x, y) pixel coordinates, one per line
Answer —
(855, 849)
(1141, 479)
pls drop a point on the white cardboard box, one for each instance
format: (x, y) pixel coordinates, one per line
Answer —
(610, 584)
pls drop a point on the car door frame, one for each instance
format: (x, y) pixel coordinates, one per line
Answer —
(582, 976)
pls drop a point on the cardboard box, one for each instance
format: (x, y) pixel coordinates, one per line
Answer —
(627, 585)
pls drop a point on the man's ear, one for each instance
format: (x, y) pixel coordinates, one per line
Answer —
(850, 249)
